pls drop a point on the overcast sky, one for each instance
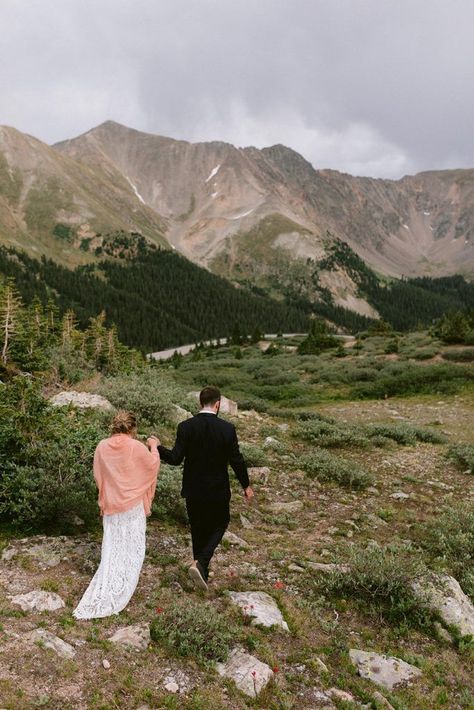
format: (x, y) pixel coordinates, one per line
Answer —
(370, 87)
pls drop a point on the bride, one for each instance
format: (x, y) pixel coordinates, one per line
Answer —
(125, 472)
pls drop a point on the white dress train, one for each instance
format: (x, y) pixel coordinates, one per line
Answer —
(123, 552)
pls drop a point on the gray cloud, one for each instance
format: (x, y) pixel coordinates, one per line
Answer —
(372, 87)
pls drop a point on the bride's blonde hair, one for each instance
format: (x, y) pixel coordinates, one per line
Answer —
(124, 422)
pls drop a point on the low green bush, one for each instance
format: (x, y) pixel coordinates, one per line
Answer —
(401, 378)
(325, 466)
(168, 505)
(254, 455)
(405, 434)
(463, 455)
(380, 579)
(332, 435)
(46, 456)
(150, 394)
(449, 540)
(193, 629)
(459, 355)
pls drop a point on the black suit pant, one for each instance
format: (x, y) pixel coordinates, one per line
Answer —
(208, 520)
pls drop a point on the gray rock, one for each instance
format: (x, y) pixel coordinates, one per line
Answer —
(172, 687)
(291, 507)
(382, 700)
(259, 473)
(400, 495)
(178, 414)
(295, 568)
(38, 601)
(328, 567)
(228, 406)
(245, 522)
(386, 671)
(106, 664)
(82, 400)
(261, 607)
(271, 443)
(137, 636)
(248, 673)
(44, 638)
(233, 539)
(443, 594)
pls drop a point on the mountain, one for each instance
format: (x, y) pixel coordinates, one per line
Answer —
(53, 205)
(264, 219)
(419, 225)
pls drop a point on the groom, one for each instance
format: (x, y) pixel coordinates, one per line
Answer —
(207, 444)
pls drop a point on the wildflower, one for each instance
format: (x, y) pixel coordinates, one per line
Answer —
(159, 610)
(279, 585)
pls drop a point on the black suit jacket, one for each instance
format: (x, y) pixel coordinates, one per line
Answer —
(207, 444)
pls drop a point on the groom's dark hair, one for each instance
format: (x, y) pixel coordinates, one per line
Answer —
(209, 395)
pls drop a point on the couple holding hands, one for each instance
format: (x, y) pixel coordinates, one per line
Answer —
(125, 471)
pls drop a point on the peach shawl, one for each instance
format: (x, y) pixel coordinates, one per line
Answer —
(125, 472)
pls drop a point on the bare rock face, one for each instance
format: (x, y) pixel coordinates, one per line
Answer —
(386, 671)
(261, 607)
(82, 400)
(46, 639)
(137, 636)
(444, 595)
(38, 601)
(248, 673)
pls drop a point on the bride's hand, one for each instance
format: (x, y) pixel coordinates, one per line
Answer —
(152, 440)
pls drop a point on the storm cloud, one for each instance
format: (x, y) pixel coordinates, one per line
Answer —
(370, 87)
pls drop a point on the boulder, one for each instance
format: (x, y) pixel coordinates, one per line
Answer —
(228, 406)
(178, 414)
(137, 636)
(38, 601)
(45, 639)
(386, 671)
(328, 567)
(259, 473)
(261, 607)
(443, 594)
(248, 673)
(271, 443)
(82, 400)
(233, 539)
(291, 507)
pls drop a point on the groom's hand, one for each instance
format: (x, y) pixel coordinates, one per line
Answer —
(248, 494)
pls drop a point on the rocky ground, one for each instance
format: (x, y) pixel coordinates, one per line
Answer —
(304, 651)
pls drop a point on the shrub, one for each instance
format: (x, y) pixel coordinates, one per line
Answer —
(324, 466)
(331, 435)
(46, 456)
(168, 503)
(405, 434)
(382, 580)
(253, 455)
(450, 541)
(150, 394)
(459, 355)
(463, 455)
(195, 629)
(405, 378)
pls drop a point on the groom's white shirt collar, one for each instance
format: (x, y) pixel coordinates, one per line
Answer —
(207, 410)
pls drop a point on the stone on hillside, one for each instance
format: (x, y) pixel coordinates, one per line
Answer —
(248, 673)
(261, 607)
(271, 443)
(233, 539)
(38, 601)
(44, 638)
(228, 406)
(82, 400)
(245, 522)
(178, 414)
(259, 473)
(444, 595)
(291, 507)
(400, 495)
(338, 694)
(137, 636)
(382, 700)
(328, 567)
(283, 427)
(386, 671)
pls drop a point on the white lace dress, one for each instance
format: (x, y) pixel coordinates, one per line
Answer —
(123, 552)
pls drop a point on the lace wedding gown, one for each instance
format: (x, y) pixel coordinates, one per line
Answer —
(123, 552)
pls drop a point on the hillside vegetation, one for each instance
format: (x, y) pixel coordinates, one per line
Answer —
(362, 459)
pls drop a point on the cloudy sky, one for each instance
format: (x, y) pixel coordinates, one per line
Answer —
(370, 87)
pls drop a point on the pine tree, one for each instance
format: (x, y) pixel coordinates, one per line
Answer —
(10, 317)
